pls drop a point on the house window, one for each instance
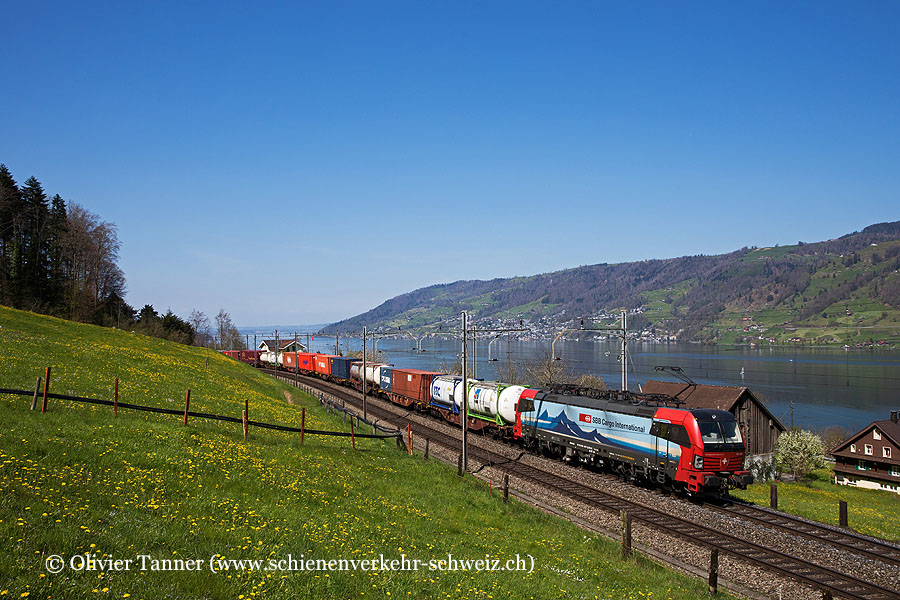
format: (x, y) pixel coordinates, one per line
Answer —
(895, 470)
(869, 449)
(852, 447)
(875, 434)
(886, 451)
(861, 465)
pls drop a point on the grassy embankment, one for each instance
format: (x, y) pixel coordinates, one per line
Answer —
(872, 512)
(75, 480)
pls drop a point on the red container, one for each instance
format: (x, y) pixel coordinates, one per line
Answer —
(322, 363)
(306, 360)
(248, 356)
(412, 383)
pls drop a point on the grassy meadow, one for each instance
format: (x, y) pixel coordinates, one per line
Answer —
(872, 512)
(77, 481)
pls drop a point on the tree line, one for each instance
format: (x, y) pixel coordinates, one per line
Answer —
(55, 259)
(60, 259)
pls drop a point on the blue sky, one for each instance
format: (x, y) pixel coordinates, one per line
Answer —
(376, 147)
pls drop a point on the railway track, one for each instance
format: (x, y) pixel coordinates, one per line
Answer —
(844, 540)
(816, 576)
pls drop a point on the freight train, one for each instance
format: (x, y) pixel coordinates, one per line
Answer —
(645, 437)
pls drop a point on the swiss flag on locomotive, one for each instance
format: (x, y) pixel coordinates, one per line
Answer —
(584, 418)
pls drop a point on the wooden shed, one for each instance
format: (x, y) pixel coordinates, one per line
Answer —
(759, 427)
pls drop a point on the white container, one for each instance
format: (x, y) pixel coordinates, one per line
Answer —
(509, 399)
(483, 397)
(447, 390)
(373, 373)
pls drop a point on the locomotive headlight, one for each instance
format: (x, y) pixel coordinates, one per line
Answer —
(698, 462)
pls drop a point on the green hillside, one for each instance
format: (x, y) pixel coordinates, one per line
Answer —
(840, 291)
(76, 480)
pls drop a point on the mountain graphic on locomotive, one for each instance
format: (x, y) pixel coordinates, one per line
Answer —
(647, 437)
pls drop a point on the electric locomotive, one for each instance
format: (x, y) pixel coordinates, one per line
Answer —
(638, 436)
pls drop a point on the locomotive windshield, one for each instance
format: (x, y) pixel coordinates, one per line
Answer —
(720, 435)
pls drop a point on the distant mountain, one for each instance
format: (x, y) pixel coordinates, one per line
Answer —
(845, 289)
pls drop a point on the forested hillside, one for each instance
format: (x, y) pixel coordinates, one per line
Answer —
(819, 286)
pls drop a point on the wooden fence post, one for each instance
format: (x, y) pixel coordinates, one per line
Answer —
(352, 434)
(244, 420)
(116, 400)
(302, 424)
(714, 571)
(842, 513)
(426, 448)
(773, 496)
(626, 534)
(37, 390)
(46, 389)
(409, 438)
(187, 405)
(459, 465)
(506, 487)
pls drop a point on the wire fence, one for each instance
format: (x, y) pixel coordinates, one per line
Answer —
(389, 433)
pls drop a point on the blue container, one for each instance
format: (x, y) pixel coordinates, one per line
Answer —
(340, 366)
(385, 382)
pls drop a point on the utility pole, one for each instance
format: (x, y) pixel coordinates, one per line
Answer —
(792, 414)
(255, 353)
(363, 373)
(624, 351)
(337, 338)
(276, 349)
(464, 416)
(508, 364)
(475, 352)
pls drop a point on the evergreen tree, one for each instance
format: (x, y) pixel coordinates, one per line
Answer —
(114, 312)
(58, 271)
(10, 232)
(36, 256)
(177, 329)
(148, 314)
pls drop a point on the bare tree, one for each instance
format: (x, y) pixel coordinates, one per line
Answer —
(450, 367)
(544, 370)
(200, 322)
(377, 357)
(229, 336)
(591, 381)
(91, 247)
